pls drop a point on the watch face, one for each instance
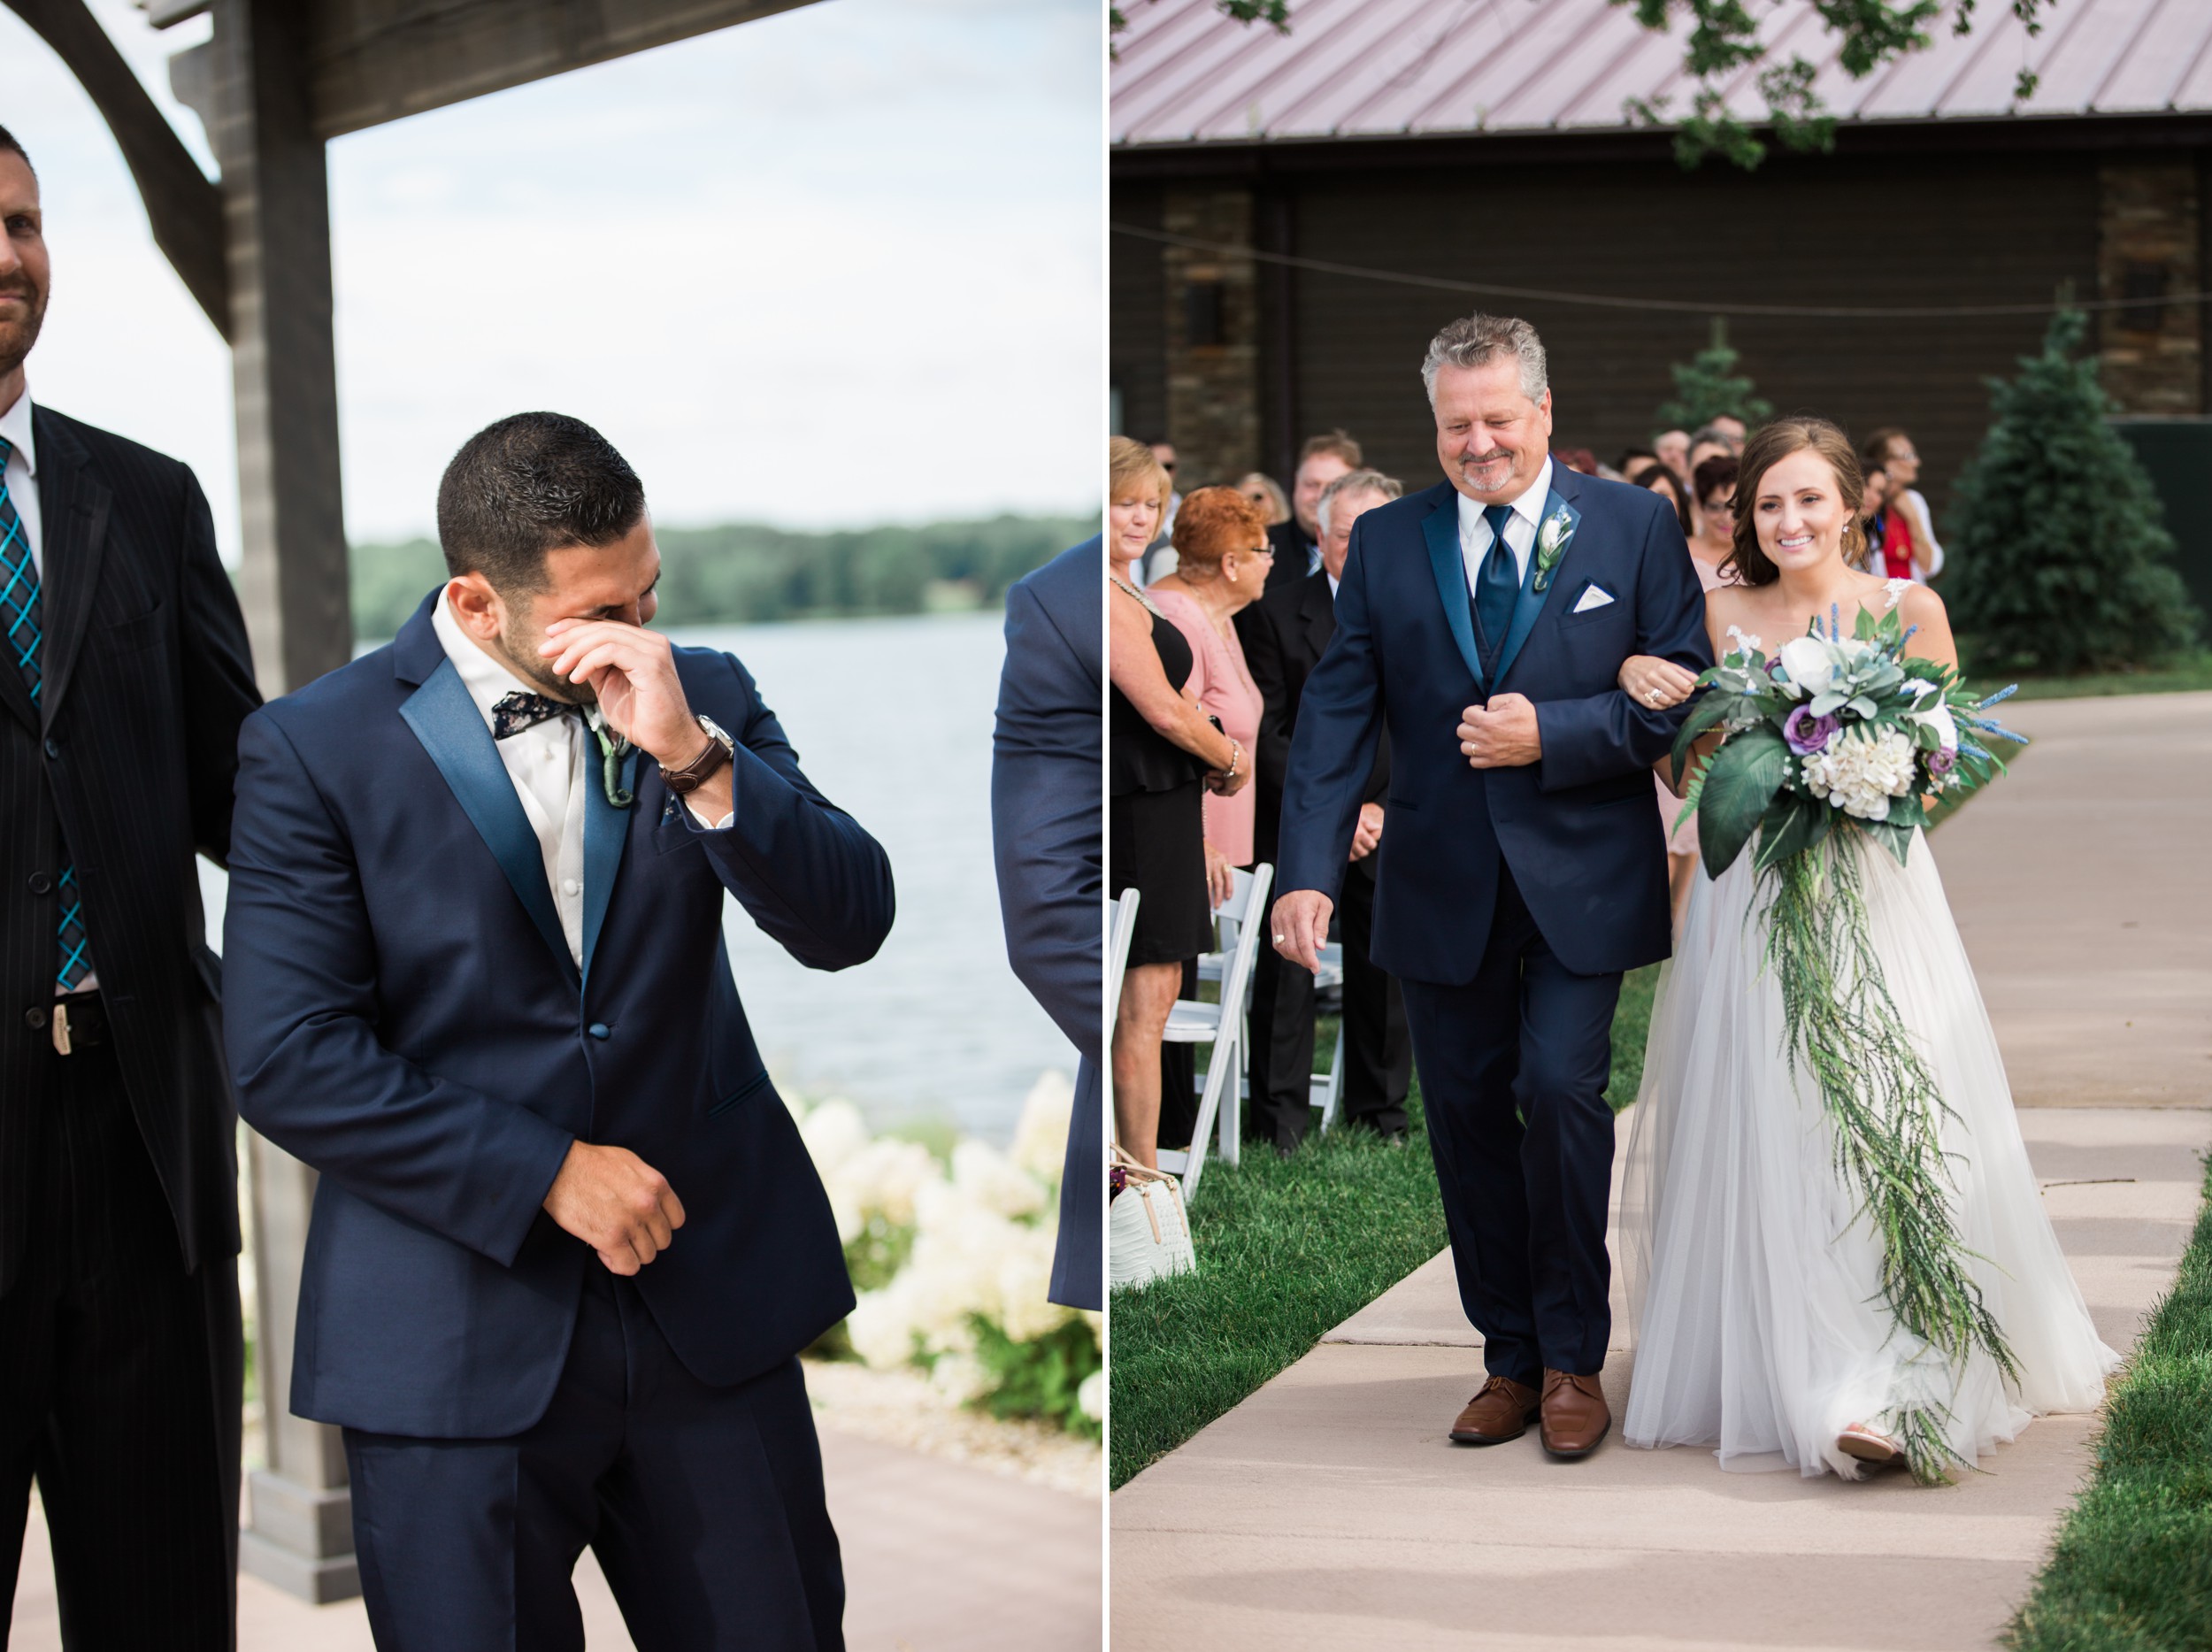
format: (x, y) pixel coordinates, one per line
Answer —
(715, 730)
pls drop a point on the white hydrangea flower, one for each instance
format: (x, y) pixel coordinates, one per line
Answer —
(832, 1133)
(1745, 642)
(1041, 1140)
(1090, 1397)
(960, 1378)
(1861, 776)
(883, 1179)
(986, 1175)
(881, 1326)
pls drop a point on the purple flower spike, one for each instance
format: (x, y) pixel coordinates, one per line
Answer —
(1807, 734)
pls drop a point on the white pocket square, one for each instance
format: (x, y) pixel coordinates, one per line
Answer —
(1592, 596)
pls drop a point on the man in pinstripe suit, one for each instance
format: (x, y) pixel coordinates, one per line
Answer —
(124, 677)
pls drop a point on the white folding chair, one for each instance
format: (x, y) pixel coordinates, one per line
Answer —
(1242, 919)
(1327, 1091)
(1121, 926)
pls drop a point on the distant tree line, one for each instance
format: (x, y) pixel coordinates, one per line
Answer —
(744, 574)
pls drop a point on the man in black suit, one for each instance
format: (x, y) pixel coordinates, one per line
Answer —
(1297, 543)
(1284, 634)
(124, 679)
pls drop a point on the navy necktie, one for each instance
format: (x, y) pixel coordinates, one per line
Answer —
(1496, 587)
(21, 624)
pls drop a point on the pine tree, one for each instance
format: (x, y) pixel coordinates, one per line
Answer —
(1707, 385)
(2062, 561)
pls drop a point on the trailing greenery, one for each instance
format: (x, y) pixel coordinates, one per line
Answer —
(1708, 387)
(743, 575)
(1843, 1030)
(2061, 562)
(2131, 1570)
(1287, 1251)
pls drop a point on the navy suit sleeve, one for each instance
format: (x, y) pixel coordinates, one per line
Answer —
(1263, 659)
(818, 884)
(300, 1024)
(1333, 747)
(217, 678)
(1609, 735)
(1046, 780)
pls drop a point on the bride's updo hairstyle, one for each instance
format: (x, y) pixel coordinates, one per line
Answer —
(1748, 563)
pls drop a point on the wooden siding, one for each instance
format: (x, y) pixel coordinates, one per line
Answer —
(1137, 315)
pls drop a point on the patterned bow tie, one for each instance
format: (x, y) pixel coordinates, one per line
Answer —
(514, 712)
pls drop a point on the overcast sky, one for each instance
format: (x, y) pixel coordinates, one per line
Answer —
(836, 268)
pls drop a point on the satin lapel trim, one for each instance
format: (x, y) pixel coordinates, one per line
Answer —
(452, 731)
(75, 508)
(1441, 528)
(1529, 605)
(606, 829)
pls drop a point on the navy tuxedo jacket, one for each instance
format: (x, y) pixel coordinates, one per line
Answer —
(1046, 779)
(403, 1015)
(1579, 828)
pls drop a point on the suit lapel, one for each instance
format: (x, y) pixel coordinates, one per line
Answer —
(606, 829)
(73, 505)
(452, 731)
(1440, 529)
(1529, 605)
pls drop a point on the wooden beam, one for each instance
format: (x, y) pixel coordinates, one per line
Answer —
(370, 61)
(184, 210)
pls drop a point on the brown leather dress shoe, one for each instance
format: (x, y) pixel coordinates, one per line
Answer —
(1575, 1416)
(1501, 1411)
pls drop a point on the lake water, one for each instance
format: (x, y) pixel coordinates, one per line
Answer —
(891, 721)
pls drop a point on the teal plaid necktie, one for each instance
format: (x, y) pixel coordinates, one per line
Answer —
(20, 625)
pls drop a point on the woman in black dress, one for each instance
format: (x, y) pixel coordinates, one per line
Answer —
(1164, 753)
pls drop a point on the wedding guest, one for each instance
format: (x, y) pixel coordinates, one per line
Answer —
(1265, 492)
(1579, 460)
(568, 1244)
(1708, 443)
(1712, 515)
(1731, 430)
(1673, 448)
(1297, 543)
(122, 688)
(1159, 557)
(1294, 628)
(1634, 462)
(1222, 562)
(1662, 480)
(1891, 542)
(1045, 762)
(1892, 450)
(1163, 755)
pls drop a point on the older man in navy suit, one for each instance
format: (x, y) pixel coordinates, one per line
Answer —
(1484, 623)
(567, 1241)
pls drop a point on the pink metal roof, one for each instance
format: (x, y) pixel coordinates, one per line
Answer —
(1186, 73)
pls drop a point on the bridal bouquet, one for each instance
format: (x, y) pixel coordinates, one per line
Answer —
(1832, 731)
(1834, 737)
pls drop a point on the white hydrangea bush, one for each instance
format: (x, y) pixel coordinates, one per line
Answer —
(952, 1261)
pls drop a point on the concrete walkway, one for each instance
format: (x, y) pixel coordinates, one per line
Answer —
(1328, 1510)
(940, 1557)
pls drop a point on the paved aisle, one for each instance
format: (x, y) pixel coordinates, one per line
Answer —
(940, 1557)
(1328, 1510)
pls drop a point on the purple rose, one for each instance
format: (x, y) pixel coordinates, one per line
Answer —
(1807, 734)
(1942, 760)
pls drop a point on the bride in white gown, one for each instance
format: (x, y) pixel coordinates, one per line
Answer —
(1754, 1280)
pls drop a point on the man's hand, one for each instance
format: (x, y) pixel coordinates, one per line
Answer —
(1503, 734)
(1368, 833)
(1301, 928)
(615, 1202)
(633, 673)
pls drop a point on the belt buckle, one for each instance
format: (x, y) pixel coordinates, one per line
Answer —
(61, 1029)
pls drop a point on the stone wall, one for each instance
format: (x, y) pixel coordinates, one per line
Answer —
(1212, 337)
(2149, 245)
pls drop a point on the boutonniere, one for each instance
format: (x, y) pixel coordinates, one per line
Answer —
(612, 749)
(1551, 544)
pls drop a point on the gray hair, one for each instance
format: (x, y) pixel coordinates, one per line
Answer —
(1357, 482)
(1477, 340)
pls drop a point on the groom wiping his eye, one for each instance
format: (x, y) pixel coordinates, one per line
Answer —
(567, 1242)
(1485, 621)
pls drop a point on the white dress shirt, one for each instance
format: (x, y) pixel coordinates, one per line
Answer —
(1520, 530)
(22, 477)
(546, 764)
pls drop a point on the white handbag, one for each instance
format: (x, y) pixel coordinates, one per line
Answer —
(1147, 1234)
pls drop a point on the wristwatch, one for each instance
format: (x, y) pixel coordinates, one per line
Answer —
(701, 769)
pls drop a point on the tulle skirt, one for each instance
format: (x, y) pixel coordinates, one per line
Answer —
(1754, 1291)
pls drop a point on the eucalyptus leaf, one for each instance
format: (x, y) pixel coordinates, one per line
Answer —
(1739, 782)
(1863, 706)
(1823, 703)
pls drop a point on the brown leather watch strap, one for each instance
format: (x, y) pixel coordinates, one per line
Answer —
(700, 770)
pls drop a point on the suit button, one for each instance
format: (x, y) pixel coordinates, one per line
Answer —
(41, 883)
(34, 1019)
(53, 747)
(599, 1029)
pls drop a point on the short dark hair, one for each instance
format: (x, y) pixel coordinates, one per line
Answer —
(531, 483)
(11, 145)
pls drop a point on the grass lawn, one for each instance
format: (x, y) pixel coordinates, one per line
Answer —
(2181, 676)
(1287, 1251)
(2132, 1568)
